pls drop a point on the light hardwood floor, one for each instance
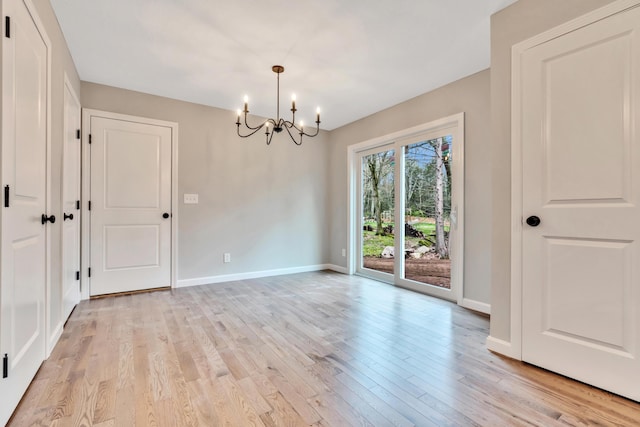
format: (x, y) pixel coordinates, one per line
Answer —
(319, 349)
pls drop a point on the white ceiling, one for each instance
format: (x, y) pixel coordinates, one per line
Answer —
(350, 57)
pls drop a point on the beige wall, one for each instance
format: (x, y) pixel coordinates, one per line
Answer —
(61, 64)
(518, 22)
(266, 205)
(469, 95)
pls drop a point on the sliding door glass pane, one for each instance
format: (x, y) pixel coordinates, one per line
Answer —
(427, 172)
(377, 207)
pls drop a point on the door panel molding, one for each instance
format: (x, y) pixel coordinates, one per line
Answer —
(87, 115)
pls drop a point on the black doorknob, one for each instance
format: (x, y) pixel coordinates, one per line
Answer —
(66, 217)
(165, 215)
(533, 221)
(51, 219)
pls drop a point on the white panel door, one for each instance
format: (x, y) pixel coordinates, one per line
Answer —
(24, 169)
(70, 203)
(581, 177)
(130, 206)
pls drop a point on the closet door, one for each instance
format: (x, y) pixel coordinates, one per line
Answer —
(70, 203)
(25, 61)
(580, 116)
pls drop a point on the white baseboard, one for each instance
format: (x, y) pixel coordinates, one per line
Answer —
(337, 268)
(198, 281)
(474, 305)
(501, 346)
(54, 338)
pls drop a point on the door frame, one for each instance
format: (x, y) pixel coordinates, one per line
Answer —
(514, 347)
(396, 141)
(85, 258)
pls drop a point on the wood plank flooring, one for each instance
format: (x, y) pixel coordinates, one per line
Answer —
(313, 349)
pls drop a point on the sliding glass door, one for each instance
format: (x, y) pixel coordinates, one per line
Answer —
(408, 203)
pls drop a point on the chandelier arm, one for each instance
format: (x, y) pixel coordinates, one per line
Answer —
(301, 130)
(269, 136)
(288, 128)
(250, 127)
(314, 134)
(250, 133)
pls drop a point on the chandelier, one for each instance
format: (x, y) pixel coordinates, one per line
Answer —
(278, 124)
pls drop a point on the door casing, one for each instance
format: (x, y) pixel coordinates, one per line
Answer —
(87, 114)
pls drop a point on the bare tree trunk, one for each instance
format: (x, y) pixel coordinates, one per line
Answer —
(447, 166)
(375, 170)
(441, 244)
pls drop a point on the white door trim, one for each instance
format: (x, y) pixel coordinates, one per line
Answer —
(517, 52)
(87, 114)
(395, 140)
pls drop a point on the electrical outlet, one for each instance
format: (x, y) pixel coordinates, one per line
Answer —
(344, 252)
(190, 199)
(227, 257)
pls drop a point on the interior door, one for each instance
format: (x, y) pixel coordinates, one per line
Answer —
(130, 205)
(24, 174)
(581, 180)
(70, 203)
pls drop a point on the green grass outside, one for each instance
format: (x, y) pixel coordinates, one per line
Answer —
(373, 245)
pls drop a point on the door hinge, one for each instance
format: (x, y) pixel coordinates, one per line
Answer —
(78, 205)
(7, 27)
(5, 366)
(89, 138)
(89, 272)
(77, 275)
(89, 204)
(6, 196)
(78, 134)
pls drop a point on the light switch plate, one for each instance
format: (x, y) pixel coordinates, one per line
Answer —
(190, 199)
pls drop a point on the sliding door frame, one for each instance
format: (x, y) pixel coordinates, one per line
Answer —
(453, 125)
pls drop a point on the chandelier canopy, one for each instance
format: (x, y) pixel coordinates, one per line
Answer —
(278, 124)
